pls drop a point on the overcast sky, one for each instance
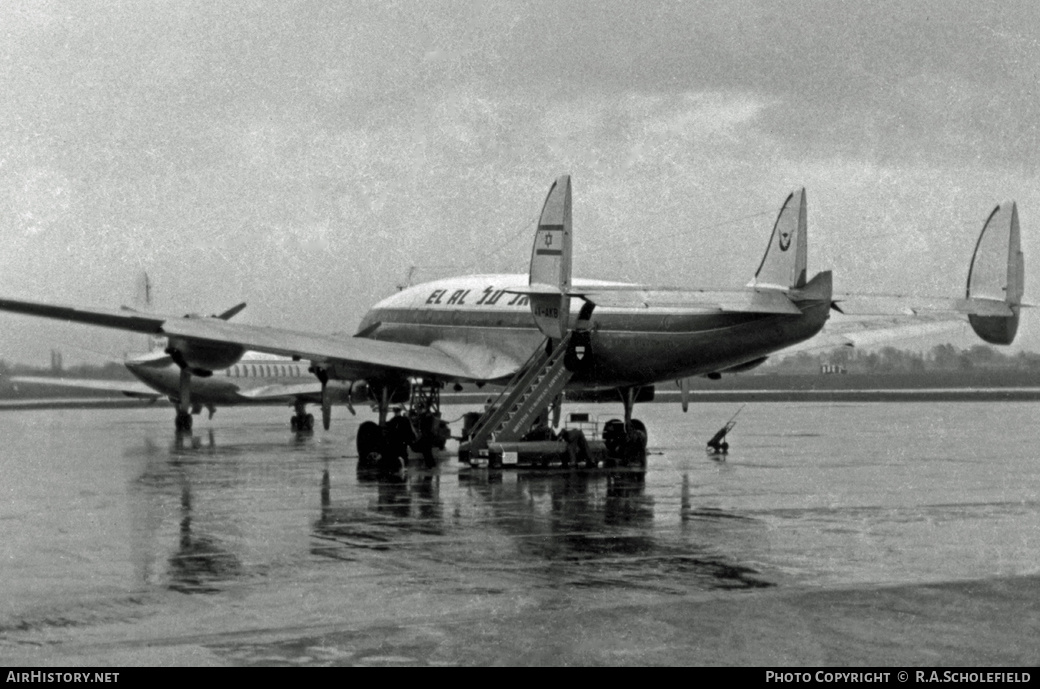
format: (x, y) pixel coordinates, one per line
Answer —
(303, 156)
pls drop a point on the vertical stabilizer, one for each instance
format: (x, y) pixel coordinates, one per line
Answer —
(144, 301)
(550, 276)
(783, 266)
(997, 273)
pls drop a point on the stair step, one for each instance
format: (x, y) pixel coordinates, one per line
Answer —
(529, 389)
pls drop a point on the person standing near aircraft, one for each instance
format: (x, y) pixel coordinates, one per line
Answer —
(429, 427)
(400, 435)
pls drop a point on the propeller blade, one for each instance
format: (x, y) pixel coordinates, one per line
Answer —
(184, 403)
(326, 406)
(232, 312)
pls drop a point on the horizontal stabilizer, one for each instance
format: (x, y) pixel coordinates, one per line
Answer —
(993, 299)
(694, 301)
(985, 307)
(855, 331)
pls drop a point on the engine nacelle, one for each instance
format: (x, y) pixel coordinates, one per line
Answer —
(203, 355)
(347, 392)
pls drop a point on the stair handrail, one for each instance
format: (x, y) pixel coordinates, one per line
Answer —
(516, 387)
(519, 373)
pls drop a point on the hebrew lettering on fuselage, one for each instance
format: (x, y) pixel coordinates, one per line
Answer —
(461, 297)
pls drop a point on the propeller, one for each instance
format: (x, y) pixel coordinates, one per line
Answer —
(231, 313)
(684, 393)
(326, 398)
(224, 316)
(326, 405)
(350, 399)
(184, 396)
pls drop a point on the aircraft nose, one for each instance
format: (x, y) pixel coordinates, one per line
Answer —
(146, 370)
(137, 368)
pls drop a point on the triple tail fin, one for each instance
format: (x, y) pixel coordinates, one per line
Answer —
(784, 264)
(996, 277)
(550, 274)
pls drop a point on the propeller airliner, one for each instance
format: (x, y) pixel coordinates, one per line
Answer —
(542, 333)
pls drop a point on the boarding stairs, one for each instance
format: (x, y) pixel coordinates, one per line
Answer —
(528, 394)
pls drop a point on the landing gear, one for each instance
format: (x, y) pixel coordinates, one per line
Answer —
(182, 422)
(383, 446)
(302, 423)
(371, 445)
(626, 447)
(626, 440)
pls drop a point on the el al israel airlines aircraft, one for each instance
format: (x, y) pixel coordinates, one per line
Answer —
(544, 332)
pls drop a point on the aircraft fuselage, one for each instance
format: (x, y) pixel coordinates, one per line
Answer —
(629, 345)
(230, 386)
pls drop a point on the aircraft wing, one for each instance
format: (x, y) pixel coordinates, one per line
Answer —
(354, 357)
(304, 392)
(128, 388)
(123, 319)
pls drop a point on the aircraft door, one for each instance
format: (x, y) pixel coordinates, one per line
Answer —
(579, 353)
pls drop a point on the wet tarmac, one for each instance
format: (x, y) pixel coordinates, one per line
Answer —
(838, 534)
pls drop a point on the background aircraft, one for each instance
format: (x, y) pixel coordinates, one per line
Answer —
(542, 332)
(257, 379)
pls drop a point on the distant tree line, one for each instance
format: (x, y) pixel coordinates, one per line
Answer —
(112, 370)
(944, 357)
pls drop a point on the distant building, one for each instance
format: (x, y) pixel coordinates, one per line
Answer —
(832, 368)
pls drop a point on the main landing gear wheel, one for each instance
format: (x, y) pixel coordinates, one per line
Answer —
(614, 437)
(625, 448)
(302, 423)
(182, 422)
(370, 445)
(636, 446)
